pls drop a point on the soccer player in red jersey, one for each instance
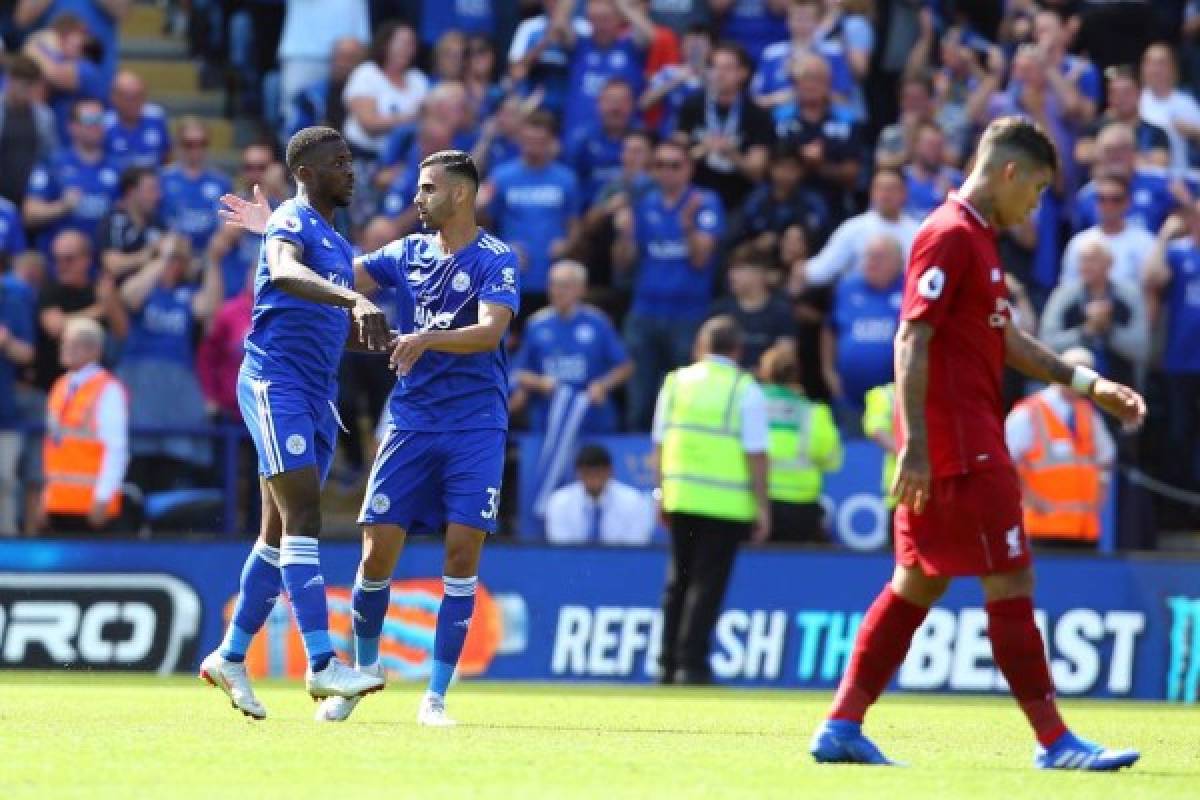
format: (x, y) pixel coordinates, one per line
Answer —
(959, 509)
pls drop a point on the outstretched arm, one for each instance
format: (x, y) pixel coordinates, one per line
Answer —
(1030, 357)
(248, 215)
(291, 276)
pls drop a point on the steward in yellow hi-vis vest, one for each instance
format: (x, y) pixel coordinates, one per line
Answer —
(710, 446)
(803, 444)
(879, 424)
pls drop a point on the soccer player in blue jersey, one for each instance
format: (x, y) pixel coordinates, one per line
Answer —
(442, 457)
(305, 314)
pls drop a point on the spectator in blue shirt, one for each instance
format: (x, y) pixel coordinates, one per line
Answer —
(772, 84)
(594, 153)
(321, 103)
(928, 177)
(856, 343)
(570, 344)
(71, 76)
(192, 187)
(538, 58)
(166, 312)
(100, 18)
(75, 186)
(466, 16)
(1173, 279)
(753, 24)
(534, 204)
(12, 233)
(1151, 194)
(17, 304)
(136, 132)
(669, 240)
(615, 48)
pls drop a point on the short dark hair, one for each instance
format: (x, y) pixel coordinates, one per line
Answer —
(382, 39)
(618, 82)
(131, 177)
(21, 67)
(541, 118)
(592, 455)
(737, 51)
(305, 141)
(455, 162)
(720, 335)
(1022, 135)
(779, 364)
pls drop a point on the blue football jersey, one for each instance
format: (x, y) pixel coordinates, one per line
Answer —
(447, 391)
(64, 170)
(190, 202)
(12, 234)
(146, 144)
(292, 341)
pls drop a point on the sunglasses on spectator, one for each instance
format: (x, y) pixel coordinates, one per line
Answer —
(193, 144)
(668, 164)
(1110, 198)
(91, 117)
(71, 256)
(254, 166)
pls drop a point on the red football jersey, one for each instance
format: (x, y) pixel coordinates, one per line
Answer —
(955, 284)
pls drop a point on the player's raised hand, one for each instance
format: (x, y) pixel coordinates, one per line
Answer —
(241, 213)
(911, 485)
(1119, 400)
(371, 325)
(406, 349)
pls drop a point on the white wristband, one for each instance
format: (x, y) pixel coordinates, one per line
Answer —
(1083, 378)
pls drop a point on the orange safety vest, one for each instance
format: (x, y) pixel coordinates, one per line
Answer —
(1060, 477)
(72, 449)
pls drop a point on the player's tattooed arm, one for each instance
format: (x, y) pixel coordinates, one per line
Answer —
(290, 275)
(1030, 357)
(911, 484)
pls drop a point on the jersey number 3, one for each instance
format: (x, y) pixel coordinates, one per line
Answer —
(493, 503)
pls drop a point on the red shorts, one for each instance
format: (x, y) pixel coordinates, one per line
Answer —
(971, 526)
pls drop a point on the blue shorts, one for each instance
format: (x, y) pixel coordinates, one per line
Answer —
(423, 480)
(291, 429)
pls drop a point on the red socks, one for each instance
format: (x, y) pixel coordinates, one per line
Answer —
(1018, 650)
(879, 649)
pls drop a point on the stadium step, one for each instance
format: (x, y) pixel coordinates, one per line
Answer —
(153, 48)
(165, 76)
(144, 21)
(201, 104)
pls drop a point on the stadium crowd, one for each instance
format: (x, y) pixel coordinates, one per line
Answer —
(652, 162)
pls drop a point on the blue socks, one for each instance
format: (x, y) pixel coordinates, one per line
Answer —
(257, 593)
(301, 568)
(369, 602)
(453, 621)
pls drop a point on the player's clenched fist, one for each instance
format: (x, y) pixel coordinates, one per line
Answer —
(370, 324)
(1119, 400)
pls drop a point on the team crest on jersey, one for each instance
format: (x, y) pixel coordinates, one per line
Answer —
(380, 503)
(931, 283)
(584, 334)
(326, 242)
(212, 190)
(460, 282)
(707, 218)
(292, 224)
(296, 444)
(509, 275)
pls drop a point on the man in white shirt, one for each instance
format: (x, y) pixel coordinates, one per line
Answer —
(597, 508)
(1129, 244)
(886, 215)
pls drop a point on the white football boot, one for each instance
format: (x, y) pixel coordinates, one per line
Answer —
(231, 678)
(340, 680)
(338, 709)
(432, 713)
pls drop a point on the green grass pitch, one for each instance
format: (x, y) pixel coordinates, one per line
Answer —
(71, 735)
